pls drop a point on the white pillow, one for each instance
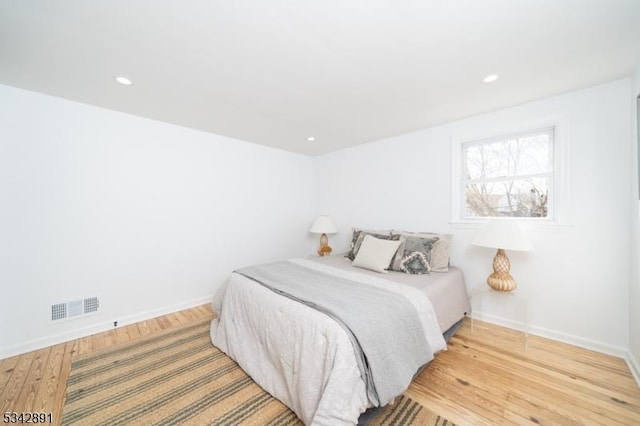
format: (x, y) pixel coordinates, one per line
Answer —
(375, 254)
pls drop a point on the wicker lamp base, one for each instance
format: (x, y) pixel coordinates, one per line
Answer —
(501, 279)
(324, 249)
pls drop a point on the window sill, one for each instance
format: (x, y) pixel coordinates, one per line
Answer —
(527, 224)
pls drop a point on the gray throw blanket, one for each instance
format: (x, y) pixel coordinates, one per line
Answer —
(384, 327)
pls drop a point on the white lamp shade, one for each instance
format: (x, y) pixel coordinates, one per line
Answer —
(323, 225)
(503, 234)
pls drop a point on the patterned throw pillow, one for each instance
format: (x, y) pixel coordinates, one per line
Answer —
(352, 245)
(358, 237)
(439, 256)
(416, 255)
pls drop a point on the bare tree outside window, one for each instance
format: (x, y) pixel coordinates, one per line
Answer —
(508, 177)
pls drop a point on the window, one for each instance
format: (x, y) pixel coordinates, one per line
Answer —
(508, 176)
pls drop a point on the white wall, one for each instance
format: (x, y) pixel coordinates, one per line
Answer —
(578, 277)
(150, 217)
(634, 284)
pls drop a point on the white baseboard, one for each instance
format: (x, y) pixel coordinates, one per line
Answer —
(43, 342)
(594, 345)
(634, 366)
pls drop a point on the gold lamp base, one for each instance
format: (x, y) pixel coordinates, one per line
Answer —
(324, 249)
(501, 280)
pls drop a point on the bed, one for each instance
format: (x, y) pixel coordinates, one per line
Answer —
(310, 360)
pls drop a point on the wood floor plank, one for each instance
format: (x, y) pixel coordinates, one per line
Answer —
(85, 345)
(516, 368)
(571, 358)
(24, 382)
(182, 318)
(600, 388)
(521, 411)
(486, 377)
(127, 333)
(33, 382)
(44, 400)
(102, 340)
(476, 383)
(70, 350)
(7, 367)
(474, 394)
(148, 327)
(577, 409)
(164, 322)
(16, 382)
(205, 310)
(441, 401)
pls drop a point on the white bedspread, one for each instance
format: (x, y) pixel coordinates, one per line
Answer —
(299, 355)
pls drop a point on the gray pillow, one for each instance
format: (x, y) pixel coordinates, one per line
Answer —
(359, 234)
(439, 256)
(416, 254)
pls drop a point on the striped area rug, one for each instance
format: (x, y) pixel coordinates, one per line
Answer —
(178, 377)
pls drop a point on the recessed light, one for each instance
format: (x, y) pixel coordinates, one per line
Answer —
(311, 139)
(124, 80)
(490, 78)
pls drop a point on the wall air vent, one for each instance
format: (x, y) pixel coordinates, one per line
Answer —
(74, 308)
(91, 305)
(58, 311)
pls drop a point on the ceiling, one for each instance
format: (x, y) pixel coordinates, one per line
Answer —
(343, 71)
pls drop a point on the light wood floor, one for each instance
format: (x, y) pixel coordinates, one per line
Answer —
(485, 378)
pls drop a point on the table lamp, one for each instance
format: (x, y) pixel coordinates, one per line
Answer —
(323, 225)
(502, 234)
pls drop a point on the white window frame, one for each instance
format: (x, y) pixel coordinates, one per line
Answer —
(559, 197)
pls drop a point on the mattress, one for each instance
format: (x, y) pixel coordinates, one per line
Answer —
(446, 290)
